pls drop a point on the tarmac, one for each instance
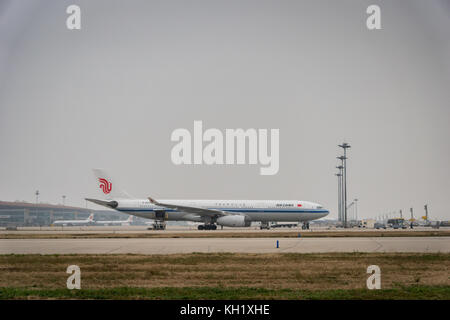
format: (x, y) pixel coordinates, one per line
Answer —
(187, 229)
(242, 245)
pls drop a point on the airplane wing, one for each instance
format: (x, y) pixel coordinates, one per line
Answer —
(195, 210)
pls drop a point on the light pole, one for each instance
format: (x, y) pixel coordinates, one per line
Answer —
(341, 211)
(37, 196)
(343, 191)
(343, 203)
(339, 175)
(345, 146)
(351, 216)
(356, 209)
(64, 200)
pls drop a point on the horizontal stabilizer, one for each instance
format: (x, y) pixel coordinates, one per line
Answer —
(108, 204)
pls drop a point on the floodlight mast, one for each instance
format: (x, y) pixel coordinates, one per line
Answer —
(345, 146)
(339, 175)
(341, 168)
(343, 202)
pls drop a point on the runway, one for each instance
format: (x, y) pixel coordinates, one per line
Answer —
(243, 245)
(189, 229)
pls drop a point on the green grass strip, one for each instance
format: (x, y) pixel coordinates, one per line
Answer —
(215, 293)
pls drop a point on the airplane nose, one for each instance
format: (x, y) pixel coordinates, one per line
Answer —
(324, 214)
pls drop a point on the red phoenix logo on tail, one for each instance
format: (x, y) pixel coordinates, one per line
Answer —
(105, 185)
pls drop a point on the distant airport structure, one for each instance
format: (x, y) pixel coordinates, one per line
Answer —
(20, 213)
(82, 222)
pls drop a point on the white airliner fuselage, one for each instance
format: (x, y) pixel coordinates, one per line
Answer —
(87, 221)
(230, 213)
(126, 222)
(241, 212)
(255, 210)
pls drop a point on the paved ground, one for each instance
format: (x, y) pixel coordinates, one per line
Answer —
(250, 245)
(189, 229)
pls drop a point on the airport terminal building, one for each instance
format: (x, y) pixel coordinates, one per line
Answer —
(21, 214)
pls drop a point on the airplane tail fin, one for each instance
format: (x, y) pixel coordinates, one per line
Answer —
(91, 217)
(109, 187)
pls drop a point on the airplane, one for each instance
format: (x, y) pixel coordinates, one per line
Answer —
(126, 222)
(228, 213)
(87, 221)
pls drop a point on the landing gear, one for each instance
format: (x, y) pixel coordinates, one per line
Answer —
(210, 226)
(158, 225)
(305, 226)
(265, 225)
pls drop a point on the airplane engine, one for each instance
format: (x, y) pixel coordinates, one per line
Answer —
(234, 221)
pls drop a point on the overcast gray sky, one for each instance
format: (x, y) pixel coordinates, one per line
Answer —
(110, 95)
